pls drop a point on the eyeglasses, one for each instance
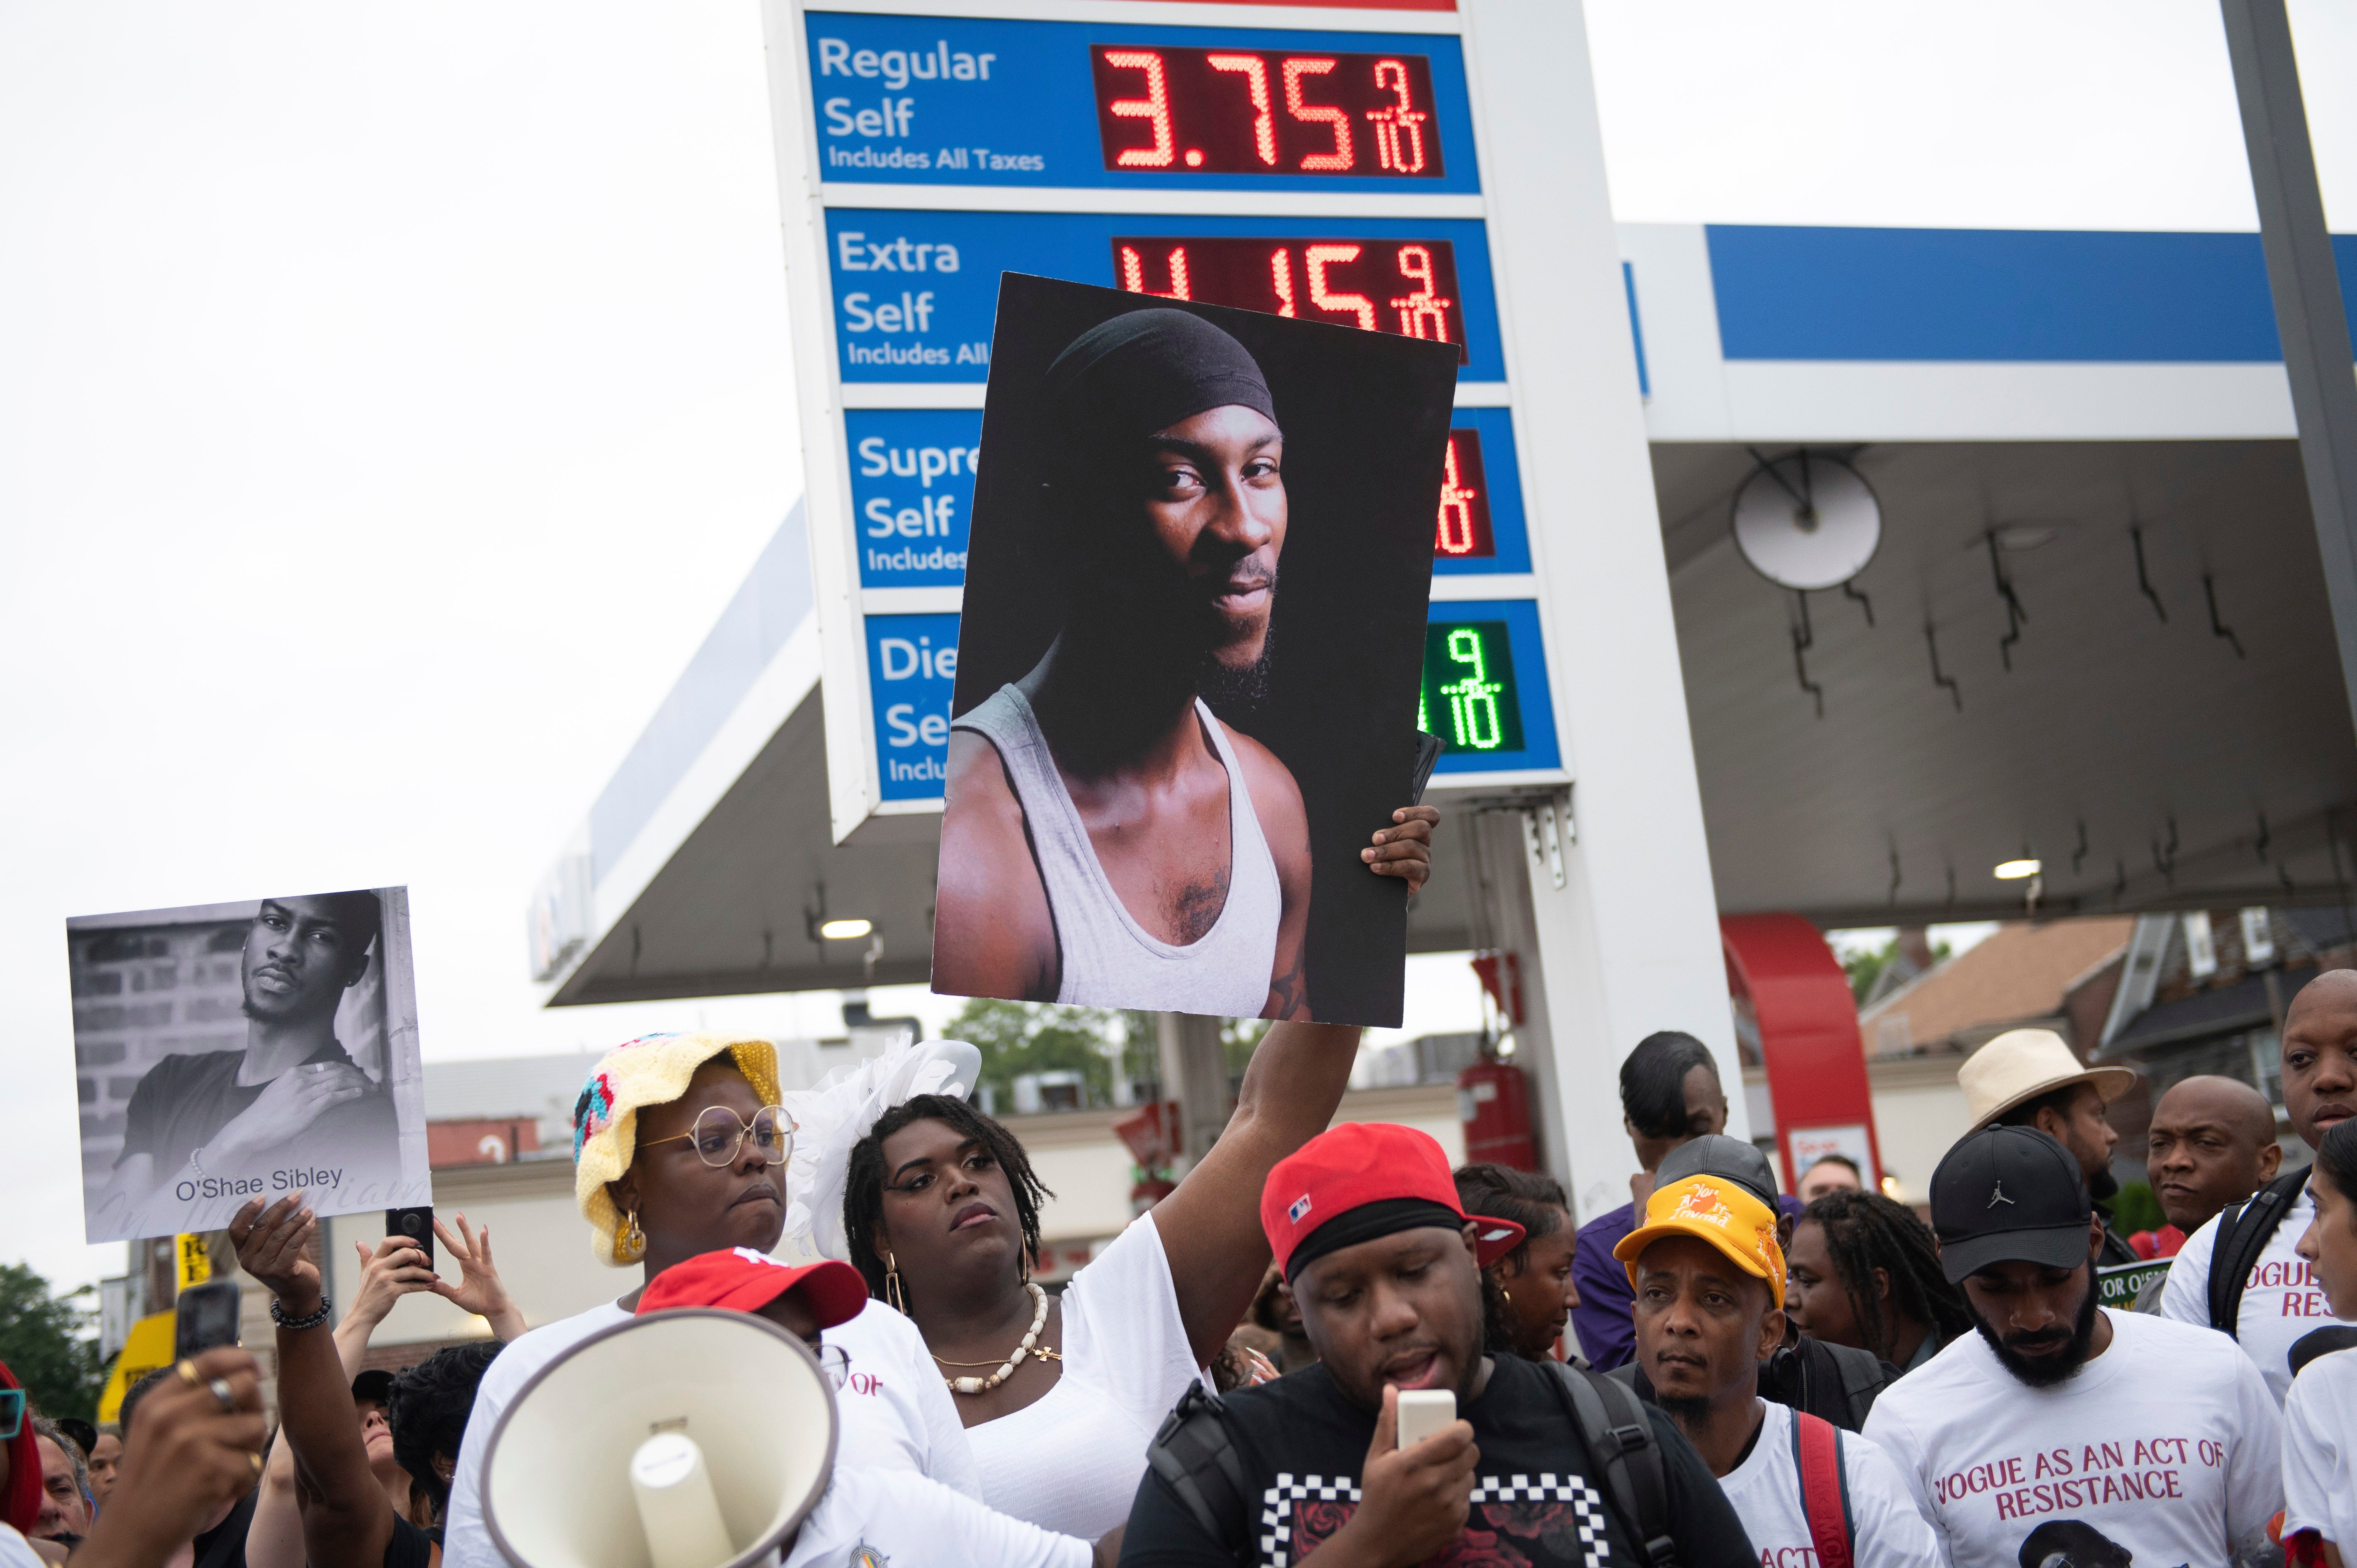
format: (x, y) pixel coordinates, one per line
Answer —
(835, 1362)
(12, 1412)
(719, 1135)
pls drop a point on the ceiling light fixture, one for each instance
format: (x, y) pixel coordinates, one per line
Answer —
(845, 930)
(2014, 870)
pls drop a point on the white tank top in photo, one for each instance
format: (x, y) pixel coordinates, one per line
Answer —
(1108, 959)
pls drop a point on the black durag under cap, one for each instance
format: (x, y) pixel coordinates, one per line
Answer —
(1149, 370)
(1369, 1221)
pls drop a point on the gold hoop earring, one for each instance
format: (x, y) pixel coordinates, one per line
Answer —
(632, 1244)
(893, 1294)
(1023, 1267)
(1507, 1293)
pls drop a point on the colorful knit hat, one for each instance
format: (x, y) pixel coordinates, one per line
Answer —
(652, 1070)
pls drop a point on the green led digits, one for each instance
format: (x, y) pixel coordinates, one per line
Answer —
(1469, 684)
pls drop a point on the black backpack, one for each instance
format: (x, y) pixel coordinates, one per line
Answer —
(1195, 1456)
(2243, 1231)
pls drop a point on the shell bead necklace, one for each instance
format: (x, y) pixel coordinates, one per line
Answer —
(1007, 1368)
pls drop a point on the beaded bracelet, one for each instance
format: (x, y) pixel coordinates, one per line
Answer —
(313, 1320)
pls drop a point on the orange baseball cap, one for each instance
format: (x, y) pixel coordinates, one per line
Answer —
(742, 1280)
(1718, 1212)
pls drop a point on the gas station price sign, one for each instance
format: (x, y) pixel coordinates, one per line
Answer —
(1264, 111)
(998, 100)
(1485, 689)
(915, 292)
(1406, 286)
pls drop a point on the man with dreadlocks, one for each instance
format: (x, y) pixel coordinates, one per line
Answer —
(1866, 1271)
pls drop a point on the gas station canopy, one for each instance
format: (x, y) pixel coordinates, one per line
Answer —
(2093, 635)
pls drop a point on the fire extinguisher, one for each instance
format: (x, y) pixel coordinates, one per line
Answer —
(1493, 1103)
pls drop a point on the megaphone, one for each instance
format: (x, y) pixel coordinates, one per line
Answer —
(695, 1438)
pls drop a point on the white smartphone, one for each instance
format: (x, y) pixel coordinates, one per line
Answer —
(1423, 1411)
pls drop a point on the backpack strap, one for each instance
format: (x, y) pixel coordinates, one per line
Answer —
(1825, 1488)
(2242, 1233)
(1619, 1437)
(1195, 1456)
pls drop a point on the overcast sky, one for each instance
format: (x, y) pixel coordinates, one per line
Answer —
(391, 396)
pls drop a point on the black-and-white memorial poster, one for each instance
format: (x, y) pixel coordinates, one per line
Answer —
(229, 1051)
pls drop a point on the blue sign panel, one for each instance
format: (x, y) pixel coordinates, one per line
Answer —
(1480, 528)
(911, 668)
(916, 292)
(942, 101)
(1485, 687)
(911, 489)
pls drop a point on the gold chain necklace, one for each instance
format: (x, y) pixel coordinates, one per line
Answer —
(1005, 1368)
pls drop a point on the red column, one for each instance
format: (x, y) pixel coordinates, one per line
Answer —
(1781, 966)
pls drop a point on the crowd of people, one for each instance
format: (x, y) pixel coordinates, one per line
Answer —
(1717, 1375)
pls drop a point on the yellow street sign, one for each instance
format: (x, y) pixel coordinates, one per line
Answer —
(194, 1259)
(149, 1347)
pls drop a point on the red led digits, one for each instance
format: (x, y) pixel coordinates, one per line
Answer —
(1320, 257)
(1407, 288)
(1214, 111)
(1153, 106)
(1464, 530)
(1133, 273)
(1256, 72)
(1338, 158)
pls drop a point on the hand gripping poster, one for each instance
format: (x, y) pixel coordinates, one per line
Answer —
(1189, 658)
(257, 1048)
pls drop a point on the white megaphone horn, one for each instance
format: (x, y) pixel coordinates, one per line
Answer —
(695, 1438)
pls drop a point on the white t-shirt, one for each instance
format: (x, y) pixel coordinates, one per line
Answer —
(2167, 1444)
(2282, 1301)
(895, 1413)
(1070, 1462)
(2320, 1460)
(906, 1521)
(1888, 1531)
(16, 1552)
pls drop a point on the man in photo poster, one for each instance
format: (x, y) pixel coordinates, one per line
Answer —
(200, 1126)
(1107, 839)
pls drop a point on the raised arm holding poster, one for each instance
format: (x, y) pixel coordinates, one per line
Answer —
(1161, 771)
(234, 1050)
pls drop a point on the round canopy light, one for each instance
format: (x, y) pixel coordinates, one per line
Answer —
(1807, 522)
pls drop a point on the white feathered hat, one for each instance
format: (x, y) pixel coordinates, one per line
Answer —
(836, 1113)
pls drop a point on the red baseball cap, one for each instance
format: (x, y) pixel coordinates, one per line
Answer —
(742, 1280)
(1391, 1178)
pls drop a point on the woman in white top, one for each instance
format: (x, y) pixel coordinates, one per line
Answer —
(1061, 1395)
(2319, 1454)
(679, 1150)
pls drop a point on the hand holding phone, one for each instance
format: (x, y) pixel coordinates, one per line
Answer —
(205, 1318)
(415, 1226)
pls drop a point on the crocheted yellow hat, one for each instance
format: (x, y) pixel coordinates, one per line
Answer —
(652, 1070)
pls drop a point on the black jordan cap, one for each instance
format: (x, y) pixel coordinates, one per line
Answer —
(2008, 1195)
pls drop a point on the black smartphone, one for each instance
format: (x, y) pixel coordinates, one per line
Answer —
(206, 1316)
(417, 1224)
(1427, 752)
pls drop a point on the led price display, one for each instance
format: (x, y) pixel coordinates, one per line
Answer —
(1469, 698)
(1264, 111)
(1464, 532)
(1404, 287)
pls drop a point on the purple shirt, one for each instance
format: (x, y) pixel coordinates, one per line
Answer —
(1603, 1320)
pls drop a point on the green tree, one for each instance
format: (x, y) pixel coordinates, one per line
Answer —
(1019, 1038)
(1865, 966)
(51, 1343)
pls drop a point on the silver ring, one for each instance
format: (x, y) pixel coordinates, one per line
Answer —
(224, 1395)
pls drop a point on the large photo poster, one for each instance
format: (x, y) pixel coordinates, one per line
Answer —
(229, 1051)
(1189, 659)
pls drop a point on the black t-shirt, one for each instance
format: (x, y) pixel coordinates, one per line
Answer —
(185, 1101)
(1538, 1500)
(223, 1546)
(410, 1546)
